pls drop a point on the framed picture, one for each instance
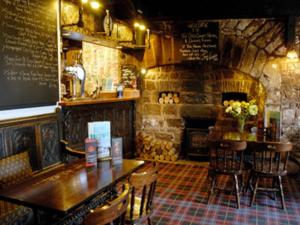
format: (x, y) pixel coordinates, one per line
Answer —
(272, 115)
(117, 150)
(107, 84)
(273, 123)
(129, 75)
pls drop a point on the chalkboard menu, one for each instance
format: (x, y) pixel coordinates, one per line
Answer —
(197, 41)
(28, 53)
(129, 75)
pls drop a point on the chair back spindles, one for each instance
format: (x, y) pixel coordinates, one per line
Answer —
(142, 194)
(151, 195)
(110, 211)
(226, 158)
(271, 157)
(132, 202)
(270, 161)
(227, 155)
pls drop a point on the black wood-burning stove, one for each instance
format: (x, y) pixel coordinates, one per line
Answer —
(195, 138)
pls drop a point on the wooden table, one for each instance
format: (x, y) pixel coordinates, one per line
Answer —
(216, 135)
(67, 193)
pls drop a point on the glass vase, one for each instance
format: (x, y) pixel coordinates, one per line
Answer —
(240, 125)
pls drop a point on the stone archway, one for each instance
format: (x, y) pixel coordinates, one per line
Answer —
(230, 80)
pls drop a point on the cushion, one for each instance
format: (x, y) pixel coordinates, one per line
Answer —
(14, 169)
(12, 214)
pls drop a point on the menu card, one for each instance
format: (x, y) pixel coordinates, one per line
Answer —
(100, 130)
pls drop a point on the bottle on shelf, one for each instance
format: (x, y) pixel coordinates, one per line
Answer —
(120, 91)
(107, 24)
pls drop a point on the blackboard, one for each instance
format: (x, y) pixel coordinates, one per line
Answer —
(129, 75)
(28, 53)
(197, 41)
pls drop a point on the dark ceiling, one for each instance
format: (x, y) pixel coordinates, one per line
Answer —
(205, 9)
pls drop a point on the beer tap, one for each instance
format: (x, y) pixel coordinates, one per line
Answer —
(78, 74)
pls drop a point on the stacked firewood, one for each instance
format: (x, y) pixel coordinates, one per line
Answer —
(168, 98)
(149, 147)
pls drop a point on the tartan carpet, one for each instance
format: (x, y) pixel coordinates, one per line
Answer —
(181, 198)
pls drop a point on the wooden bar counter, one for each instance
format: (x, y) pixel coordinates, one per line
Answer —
(76, 114)
(89, 101)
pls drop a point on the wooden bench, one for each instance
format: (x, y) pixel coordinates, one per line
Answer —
(14, 170)
(28, 146)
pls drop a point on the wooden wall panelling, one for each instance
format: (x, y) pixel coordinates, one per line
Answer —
(109, 115)
(2, 146)
(39, 135)
(76, 118)
(22, 138)
(126, 116)
(50, 147)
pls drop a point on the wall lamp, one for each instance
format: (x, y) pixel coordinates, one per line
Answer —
(143, 70)
(93, 3)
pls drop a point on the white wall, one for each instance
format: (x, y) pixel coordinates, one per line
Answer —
(16, 113)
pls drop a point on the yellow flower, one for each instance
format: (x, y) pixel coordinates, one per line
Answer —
(241, 110)
(253, 110)
(225, 103)
(244, 104)
(228, 109)
(252, 102)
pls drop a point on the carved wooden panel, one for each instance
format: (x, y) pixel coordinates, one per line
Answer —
(120, 114)
(22, 138)
(50, 147)
(2, 148)
(39, 135)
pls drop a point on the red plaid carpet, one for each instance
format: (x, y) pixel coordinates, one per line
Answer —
(181, 198)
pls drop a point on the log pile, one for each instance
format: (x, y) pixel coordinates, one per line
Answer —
(169, 98)
(149, 147)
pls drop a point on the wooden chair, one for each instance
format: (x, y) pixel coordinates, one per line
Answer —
(141, 197)
(110, 211)
(270, 161)
(226, 158)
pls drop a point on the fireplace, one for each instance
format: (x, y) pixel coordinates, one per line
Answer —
(195, 138)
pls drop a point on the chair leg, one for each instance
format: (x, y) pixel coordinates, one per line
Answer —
(274, 186)
(249, 183)
(241, 182)
(237, 191)
(254, 191)
(122, 222)
(281, 192)
(212, 186)
(149, 221)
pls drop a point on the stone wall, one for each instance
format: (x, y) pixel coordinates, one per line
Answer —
(251, 58)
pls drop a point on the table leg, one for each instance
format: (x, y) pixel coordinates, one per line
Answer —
(36, 216)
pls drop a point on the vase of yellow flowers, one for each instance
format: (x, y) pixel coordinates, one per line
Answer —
(240, 124)
(241, 111)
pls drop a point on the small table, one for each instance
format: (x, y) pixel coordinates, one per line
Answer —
(68, 192)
